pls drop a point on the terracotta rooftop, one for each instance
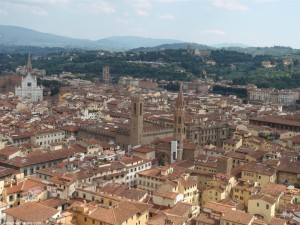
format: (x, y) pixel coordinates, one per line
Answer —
(238, 217)
(259, 168)
(264, 198)
(32, 212)
(205, 219)
(119, 214)
(181, 208)
(278, 120)
(166, 194)
(162, 217)
(36, 158)
(143, 149)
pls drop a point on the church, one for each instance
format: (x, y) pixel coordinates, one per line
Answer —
(29, 88)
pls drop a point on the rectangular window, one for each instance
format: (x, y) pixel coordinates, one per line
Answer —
(267, 206)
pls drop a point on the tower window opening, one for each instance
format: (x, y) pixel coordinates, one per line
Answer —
(134, 108)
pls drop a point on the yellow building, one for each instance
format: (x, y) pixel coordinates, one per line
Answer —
(232, 144)
(124, 213)
(151, 179)
(259, 172)
(188, 187)
(166, 198)
(20, 190)
(208, 164)
(213, 193)
(166, 179)
(219, 188)
(289, 173)
(262, 206)
(202, 178)
(243, 190)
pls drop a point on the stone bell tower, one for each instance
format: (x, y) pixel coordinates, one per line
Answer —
(105, 74)
(136, 120)
(29, 65)
(179, 130)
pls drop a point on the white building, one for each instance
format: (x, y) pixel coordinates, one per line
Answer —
(29, 88)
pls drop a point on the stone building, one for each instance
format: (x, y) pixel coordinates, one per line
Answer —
(136, 120)
(105, 75)
(179, 129)
(29, 88)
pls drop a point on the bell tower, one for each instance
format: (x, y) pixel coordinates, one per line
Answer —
(179, 130)
(105, 73)
(136, 120)
(29, 65)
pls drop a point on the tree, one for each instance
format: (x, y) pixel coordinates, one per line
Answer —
(161, 161)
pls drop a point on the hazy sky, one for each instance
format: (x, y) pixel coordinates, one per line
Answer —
(251, 22)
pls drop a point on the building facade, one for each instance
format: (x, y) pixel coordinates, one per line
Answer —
(29, 88)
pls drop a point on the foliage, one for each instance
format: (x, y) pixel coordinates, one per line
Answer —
(172, 86)
(240, 92)
(168, 65)
(161, 161)
(53, 84)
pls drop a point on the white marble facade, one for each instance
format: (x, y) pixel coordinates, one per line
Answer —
(29, 89)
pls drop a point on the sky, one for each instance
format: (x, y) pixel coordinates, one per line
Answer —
(250, 22)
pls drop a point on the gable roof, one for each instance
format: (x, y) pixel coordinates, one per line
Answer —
(32, 212)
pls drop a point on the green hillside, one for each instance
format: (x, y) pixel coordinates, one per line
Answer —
(169, 65)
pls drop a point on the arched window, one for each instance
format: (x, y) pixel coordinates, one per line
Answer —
(141, 109)
(134, 108)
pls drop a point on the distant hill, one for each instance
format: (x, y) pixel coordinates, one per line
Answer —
(15, 39)
(19, 36)
(134, 42)
(273, 51)
(229, 45)
(175, 46)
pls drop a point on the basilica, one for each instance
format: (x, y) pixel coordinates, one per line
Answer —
(29, 88)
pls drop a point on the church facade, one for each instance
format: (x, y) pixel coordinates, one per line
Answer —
(29, 88)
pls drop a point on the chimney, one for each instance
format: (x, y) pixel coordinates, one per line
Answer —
(168, 222)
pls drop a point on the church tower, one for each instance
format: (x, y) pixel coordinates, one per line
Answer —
(136, 120)
(29, 65)
(105, 74)
(179, 130)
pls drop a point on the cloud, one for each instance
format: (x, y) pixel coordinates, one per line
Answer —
(59, 3)
(97, 6)
(142, 12)
(233, 5)
(3, 12)
(167, 17)
(39, 11)
(213, 31)
(123, 21)
(35, 7)
(265, 1)
(169, 1)
(8, 6)
(141, 7)
(139, 31)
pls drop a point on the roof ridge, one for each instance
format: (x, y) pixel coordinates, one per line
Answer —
(115, 219)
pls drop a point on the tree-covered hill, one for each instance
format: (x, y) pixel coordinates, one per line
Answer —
(169, 64)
